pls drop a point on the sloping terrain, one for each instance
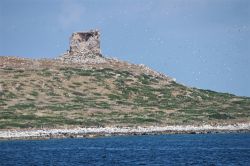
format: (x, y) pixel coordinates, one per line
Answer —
(50, 93)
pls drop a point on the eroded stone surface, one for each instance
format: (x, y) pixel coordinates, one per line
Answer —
(84, 48)
(85, 43)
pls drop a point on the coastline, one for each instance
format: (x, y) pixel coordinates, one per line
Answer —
(33, 134)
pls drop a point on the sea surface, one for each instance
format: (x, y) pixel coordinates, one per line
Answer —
(183, 149)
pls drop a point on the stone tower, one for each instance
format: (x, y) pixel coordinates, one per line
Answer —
(85, 44)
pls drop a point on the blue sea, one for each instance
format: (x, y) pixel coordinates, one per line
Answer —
(183, 149)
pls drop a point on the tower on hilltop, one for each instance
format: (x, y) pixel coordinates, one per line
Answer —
(85, 44)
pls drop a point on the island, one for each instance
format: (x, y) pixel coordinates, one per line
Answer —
(83, 93)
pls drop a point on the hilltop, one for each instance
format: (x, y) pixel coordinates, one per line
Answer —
(82, 88)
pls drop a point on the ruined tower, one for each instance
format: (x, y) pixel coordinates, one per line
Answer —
(84, 48)
(85, 44)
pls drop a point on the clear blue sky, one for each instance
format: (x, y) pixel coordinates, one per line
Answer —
(201, 43)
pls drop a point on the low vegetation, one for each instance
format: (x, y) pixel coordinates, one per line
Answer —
(75, 96)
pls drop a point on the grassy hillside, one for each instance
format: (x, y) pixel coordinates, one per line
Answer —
(104, 96)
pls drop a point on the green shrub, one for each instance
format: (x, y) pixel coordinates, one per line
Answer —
(23, 106)
(220, 116)
(45, 73)
(34, 93)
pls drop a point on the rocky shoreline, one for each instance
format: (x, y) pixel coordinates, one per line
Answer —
(27, 134)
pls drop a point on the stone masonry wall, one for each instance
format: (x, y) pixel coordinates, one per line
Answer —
(85, 44)
(84, 48)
